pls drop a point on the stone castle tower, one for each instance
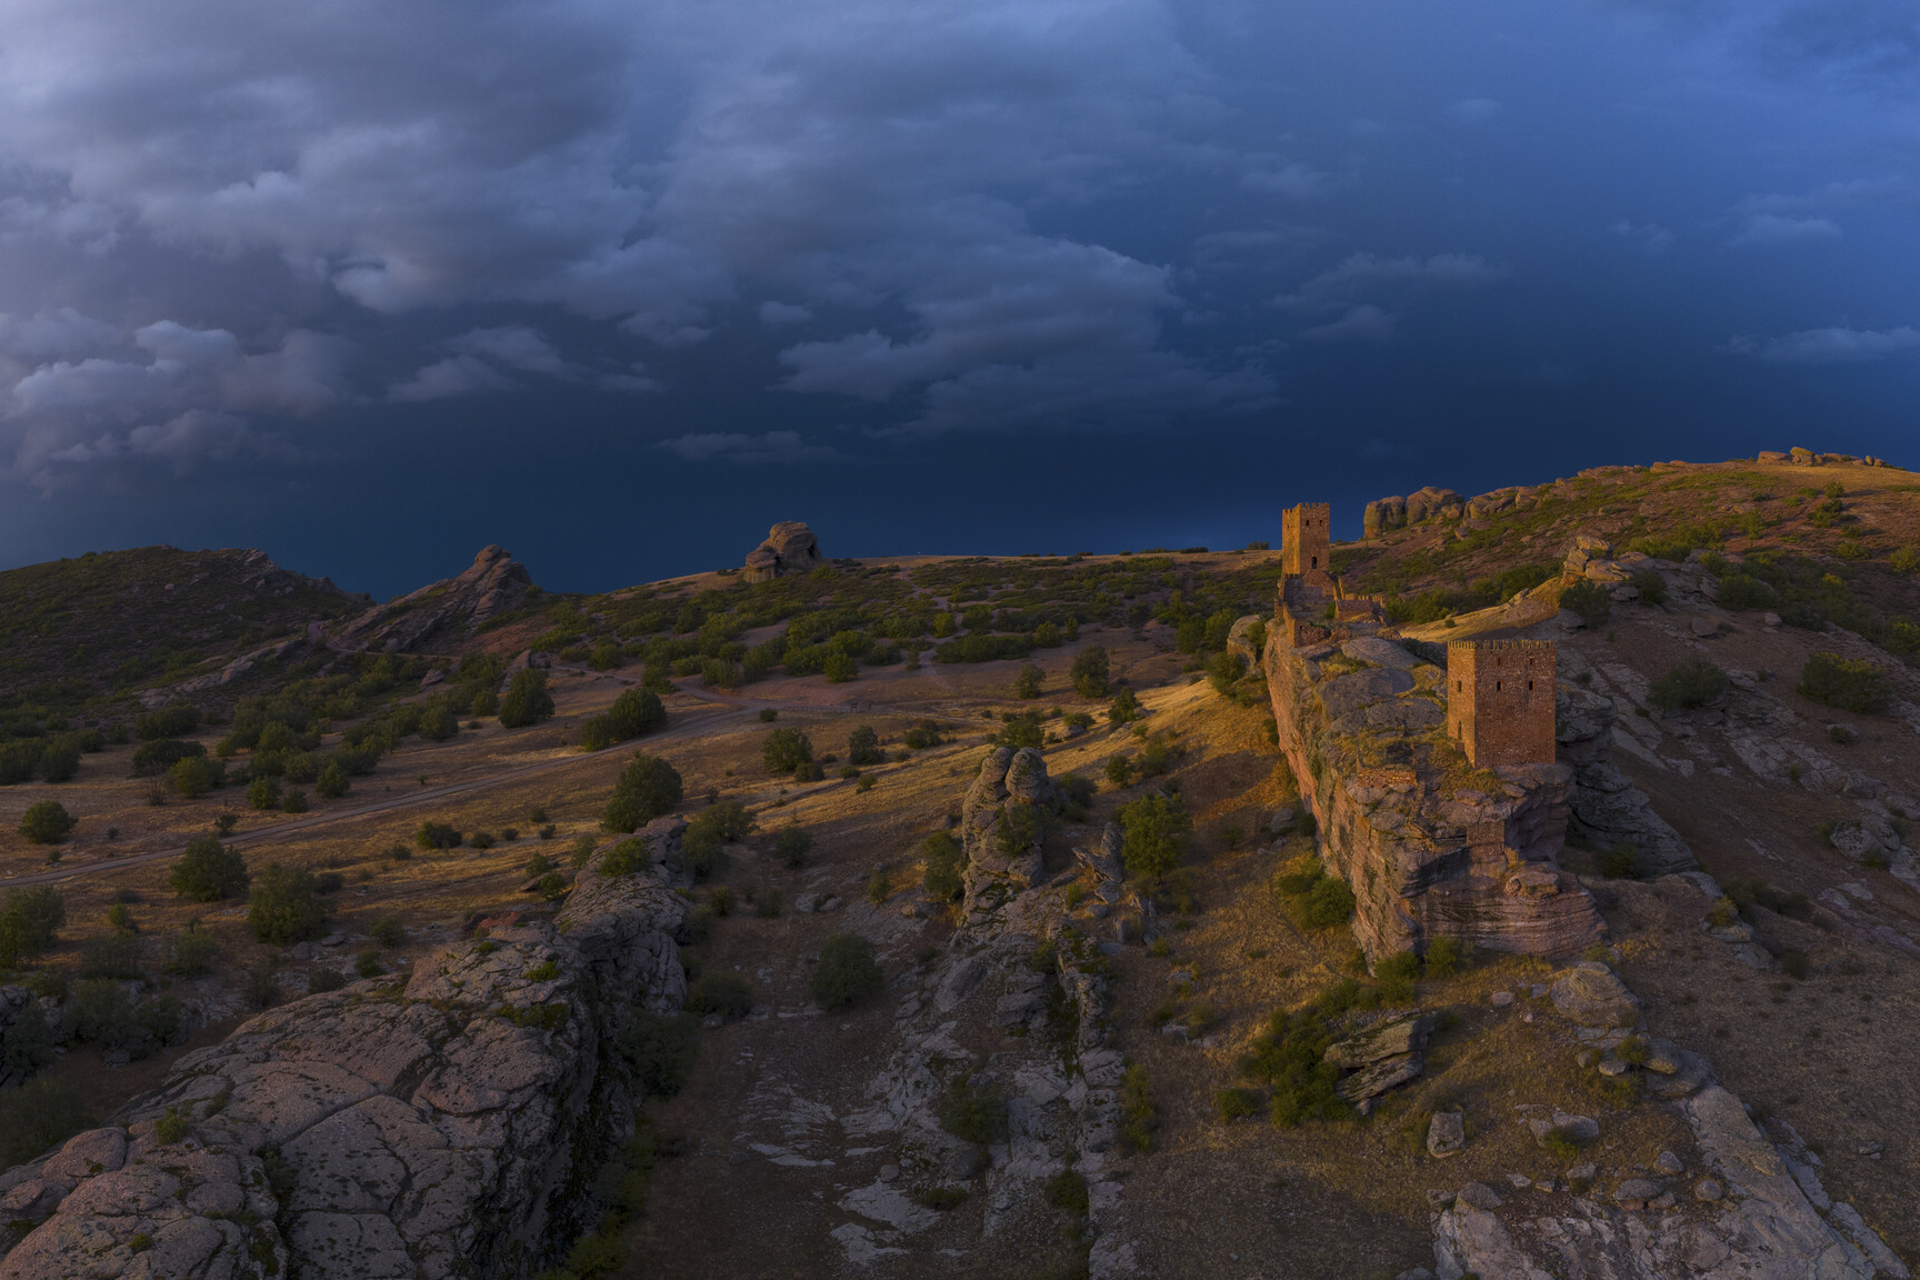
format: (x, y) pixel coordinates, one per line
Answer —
(1305, 539)
(1500, 700)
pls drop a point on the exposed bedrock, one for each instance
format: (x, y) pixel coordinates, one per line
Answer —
(450, 1126)
(1607, 809)
(1430, 846)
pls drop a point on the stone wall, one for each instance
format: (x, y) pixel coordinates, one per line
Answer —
(1430, 846)
(451, 1124)
(1500, 703)
(1306, 538)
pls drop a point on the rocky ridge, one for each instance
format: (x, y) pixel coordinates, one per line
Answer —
(449, 1125)
(495, 583)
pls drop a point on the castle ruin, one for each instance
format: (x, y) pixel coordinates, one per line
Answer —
(1500, 700)
(1436, 790)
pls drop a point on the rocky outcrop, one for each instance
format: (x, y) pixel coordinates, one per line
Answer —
(790, 548)
(1003, 824)
(449, 1125)
(1419, 507)
(1608, 809)
(1429, 846)
(495, 583)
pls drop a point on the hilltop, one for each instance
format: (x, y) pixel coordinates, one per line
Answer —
(1073, 1044)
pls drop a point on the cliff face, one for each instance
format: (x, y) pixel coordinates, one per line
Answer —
(1431, 847)
(453, 1126)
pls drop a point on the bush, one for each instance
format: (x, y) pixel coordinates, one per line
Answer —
(325, 980)
(1905, 560)
(194, 776)
(388, 932)
(1120, 772)
(840, 667)
(1139, 1115)
(634, 713)
(30, 921)
(38, 1116)
(1588, 599)
(285, 907)
(728, 994)
(1315, 899)
(1021, 731)
(847, 972)
(437, 835)
(648, 787)
(26, 1046)
(1028, 683)
(1850, 684)
(1743, 591)
(209, 871)
(1235, 1104)
(191, 952)
(1396, 974)
(1651, 586)
(792, 846)
(332, 782)
(481, 840)
(923, 735)
(943, 856)
(712, 828)
(1156, 829)
(973, 1112)
(527, 701)
(263, 793)
(155, 758)
(1091, 674)
(103, 1014)
(785, 750)
(808, 771)
(863, 747)
(170, 722)
(115, 956)
(1445, 957)
(46, 822)
(295, 801)
(1693, 684)
(660, 1048)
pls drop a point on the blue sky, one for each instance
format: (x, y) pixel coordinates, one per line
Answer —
(619, 285)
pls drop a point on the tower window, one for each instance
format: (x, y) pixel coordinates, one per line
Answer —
(1529, 686)
(1496, 686)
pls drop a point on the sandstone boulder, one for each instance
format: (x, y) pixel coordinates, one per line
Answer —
(790, 547)
(1591, 994)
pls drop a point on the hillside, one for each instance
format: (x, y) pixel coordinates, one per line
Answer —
(1081, 1033)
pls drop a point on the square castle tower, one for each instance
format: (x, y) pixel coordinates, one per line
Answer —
(1306, 539)
(1500, 706)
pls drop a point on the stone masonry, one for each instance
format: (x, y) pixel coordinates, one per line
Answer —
(1305, 538)
(1500, 701)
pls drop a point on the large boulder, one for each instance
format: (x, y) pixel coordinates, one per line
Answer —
(790, 547)
(1002, 827)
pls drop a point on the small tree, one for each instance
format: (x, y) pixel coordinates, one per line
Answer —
(1125, 708)
(1090, 674)
(793, 844)
(46, 822)
(847, 972)
(1588, 599)
(1850, 684)
(648, 787)
(1694, 683)
(840, 667)
(863, 746)
(785, 750)
(527, 701)
(29, 921)
(209, 871)
(1027, 684)
(332, 782)
(942, 878)
(286, 906)
(1156, 828)
(194, 776)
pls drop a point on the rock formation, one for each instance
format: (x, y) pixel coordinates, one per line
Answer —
(450, 1125)
(1607, 808)
(1429, 846)
(790, 548)
(1430, 503)
(1002, 825)
(495, 583)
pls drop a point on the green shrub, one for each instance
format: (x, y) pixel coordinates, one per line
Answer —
(437, 835)
(1651, 586)
(38, 1116)
(263, 793)
(26, 1047)
(728, 994)
(648, 787)
(46, 822)
(332, 782)
(1124, 709)
(209, 871)
(1028, 683)
(847, 972)
(973, 1112)
(115, 956)
(171, 1127)
(1743, 591)
(30, 920)
(1315, 899)
(325, 980)
(388, 932)
(1396, 974)
(661, 1049)
(481, 840)
(1905, 560)
(1023, 730)
(1156, 828)
(1091, 674)
(1290, 1058)
(785, 750)
(194, 776)
(1120, 772)
(711, 829)
(1692, 684)
(169, 722)
(103, 1014)
(155, 758)
(792, 846)
(191, 952)
(367, 964)
(1588, 599)
(943, 857)
(1067, 1191)
(1139, 1114)
(1850, 684)
(634, 713)
(1235, 1104)
(626, 858)
(527, 701)
(863, 747)
(1445, 957)
(923, 735)
(285, 906)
